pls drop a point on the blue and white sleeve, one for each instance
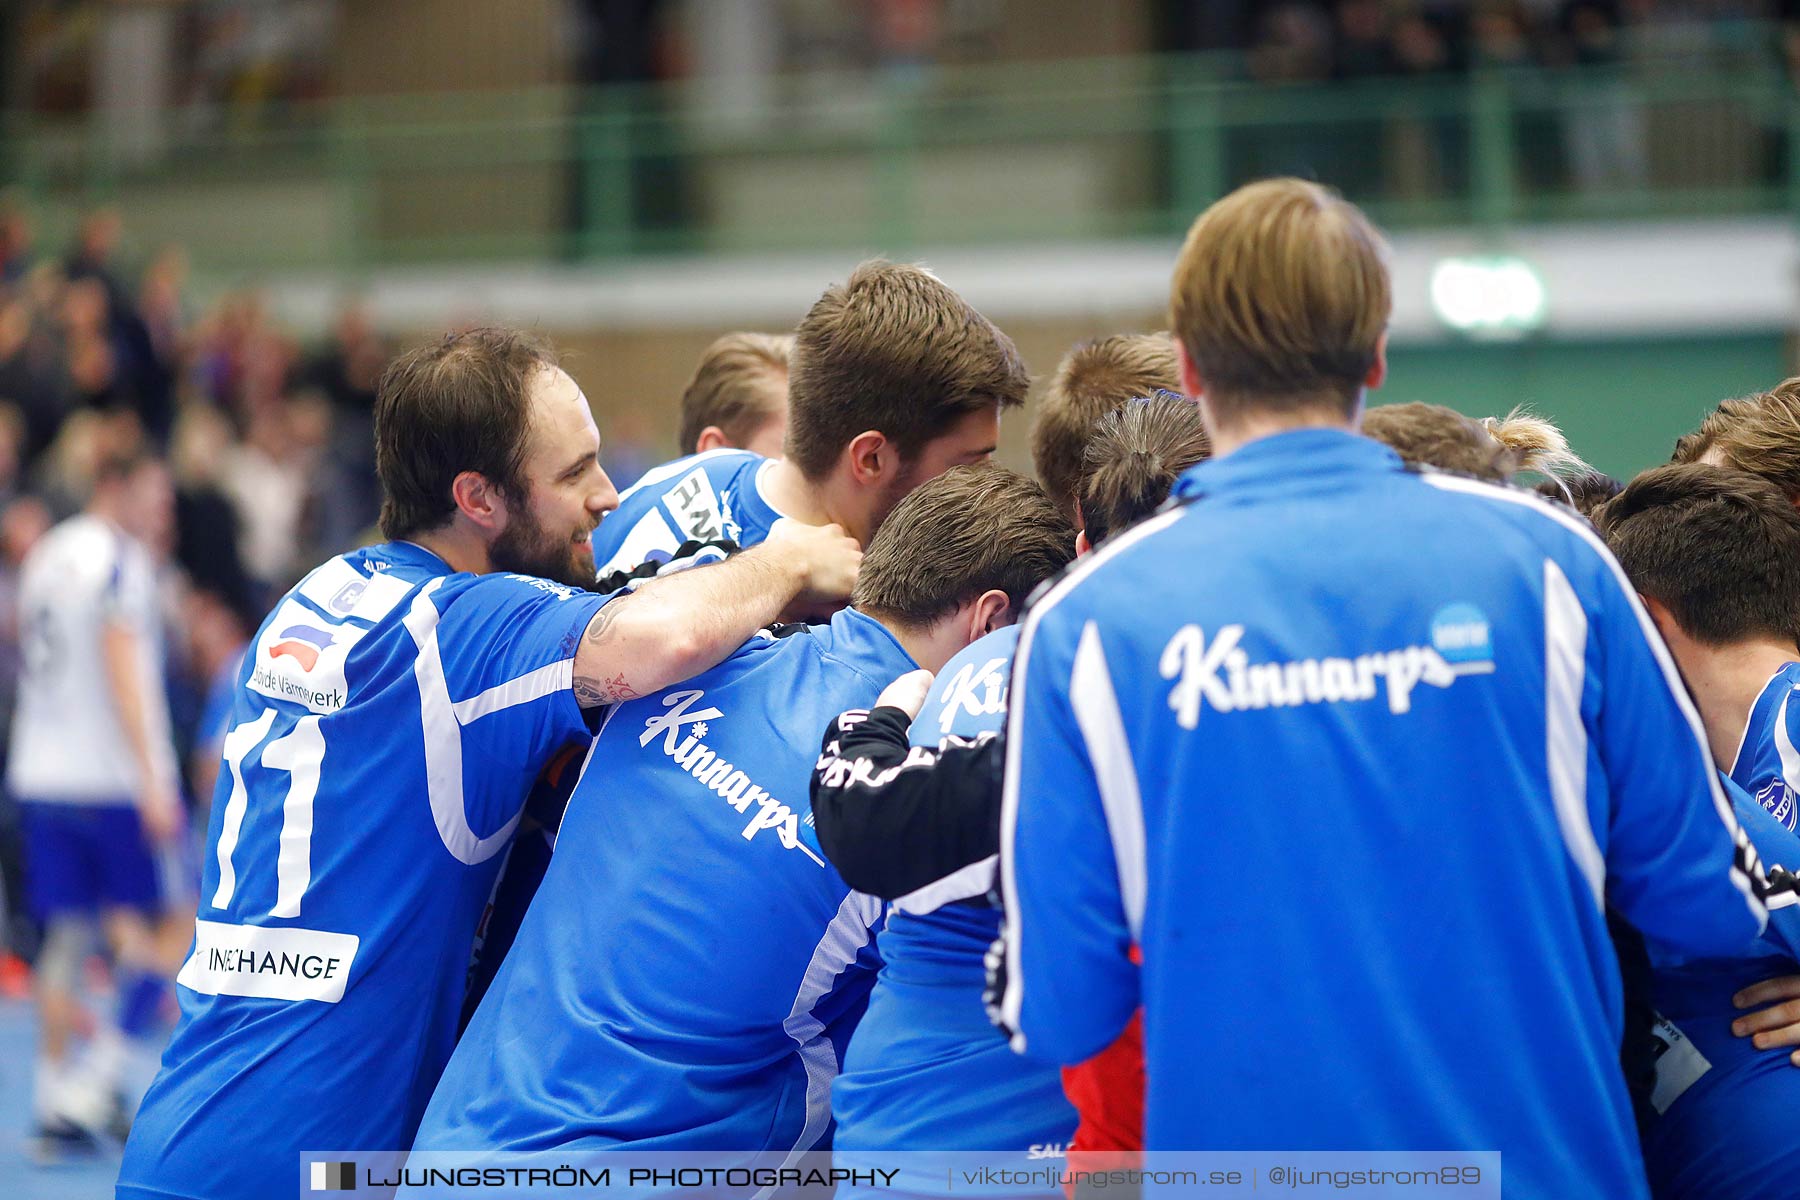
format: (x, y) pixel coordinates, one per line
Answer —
(503, 682)
(1071, 848)
(1677, 863)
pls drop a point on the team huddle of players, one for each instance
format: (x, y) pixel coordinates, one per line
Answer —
(747, 828)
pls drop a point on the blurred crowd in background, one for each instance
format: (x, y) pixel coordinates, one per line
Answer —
(268, 442)
(1312, 40)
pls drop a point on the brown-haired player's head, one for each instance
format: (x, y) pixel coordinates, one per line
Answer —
(1758, 433)
(1491, 448)
(1133, 460)
(482, 440)
(1092, 380)
(1696, 446)
(1714, 549)
(894, 379)
(1280, 304)
(958, 556)
(738, 395)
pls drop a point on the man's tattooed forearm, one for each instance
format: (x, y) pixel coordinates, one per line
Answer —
(603, 620)
(594, 693)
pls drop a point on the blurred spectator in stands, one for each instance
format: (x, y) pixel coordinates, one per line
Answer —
(164, 311)
(1504, 43)
(269, 477)
(92, 257)
(217, 632)
(1604, 131)
(1293, 49)
(12, 452)
(31, 366)
(1425, 151)
(15, 240)
(1364, 46)
(345, 370)
(1294, 45)
(1362, 52)
(206, 518)
(22, 522)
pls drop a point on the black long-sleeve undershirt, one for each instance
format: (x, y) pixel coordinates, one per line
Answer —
(894, 818)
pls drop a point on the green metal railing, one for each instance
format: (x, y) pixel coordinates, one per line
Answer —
(1095, 149)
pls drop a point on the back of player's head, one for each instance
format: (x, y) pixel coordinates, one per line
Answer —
(1434, 436)
(1134, 458)
(1692, 447)
(460, 403)
(1493, 448)
(1719, 548)
(1587, 491)
(971, 530)
(892, 349)
(1280, 298)
(1759, 434)
(739, 386)
(1093, 379)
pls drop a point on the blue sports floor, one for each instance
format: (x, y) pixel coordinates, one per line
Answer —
(20, 1179)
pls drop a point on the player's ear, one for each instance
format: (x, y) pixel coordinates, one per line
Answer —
(479, 500)
(992, 610)
(1191, 385)
(711, 438)
(871, 457)
(1378, 369)
(1082, 545)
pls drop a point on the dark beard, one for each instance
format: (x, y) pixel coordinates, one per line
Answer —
(526, 548)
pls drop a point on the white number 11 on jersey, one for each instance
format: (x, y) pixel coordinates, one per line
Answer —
(299, 753)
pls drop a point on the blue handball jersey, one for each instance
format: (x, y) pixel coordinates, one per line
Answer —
(1721, 1131)
(704, 497)
(389, 719)
(692, 967)
(1768, 765)
(1355, 754)
(926, 1069)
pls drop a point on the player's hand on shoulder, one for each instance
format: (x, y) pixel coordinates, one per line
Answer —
(906, 693)
(826, 557)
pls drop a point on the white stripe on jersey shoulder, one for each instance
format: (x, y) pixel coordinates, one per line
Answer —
(443, 741)
(965, 883)
(849, 930)
(1096, 707)
(1565, 733)
(670, 470)
(533, 685)
(1665, 663)
(1014, 999)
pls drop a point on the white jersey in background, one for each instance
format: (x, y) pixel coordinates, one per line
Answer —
(68, 745)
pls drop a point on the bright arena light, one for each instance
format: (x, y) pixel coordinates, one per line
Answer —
(1493, 297)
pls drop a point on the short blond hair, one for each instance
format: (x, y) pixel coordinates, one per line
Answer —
(1280, 298)
(734, 387)
(1094, 379)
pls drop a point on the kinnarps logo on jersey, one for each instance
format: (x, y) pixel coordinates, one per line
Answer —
(732, 785)
(300, 658)
(977, 691)
(1218, 673)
